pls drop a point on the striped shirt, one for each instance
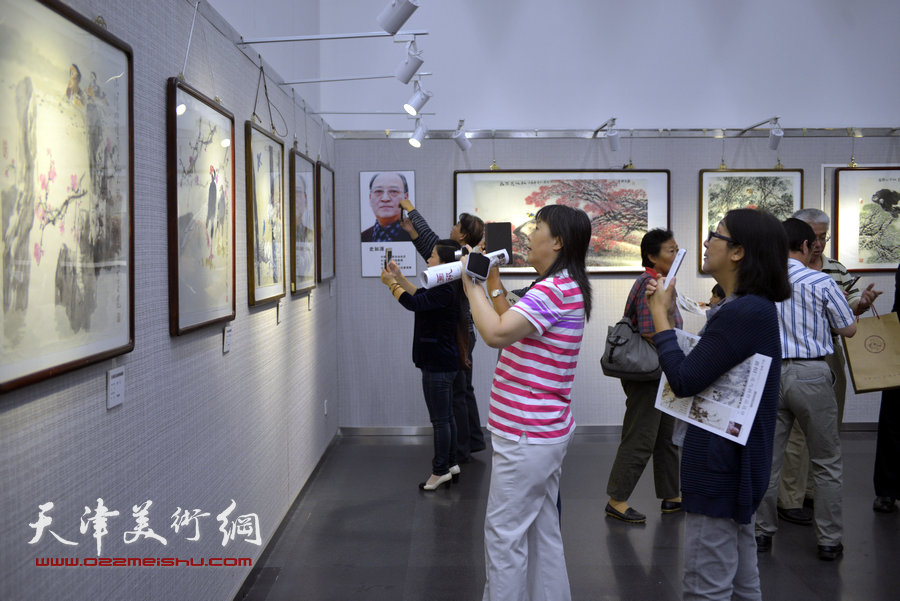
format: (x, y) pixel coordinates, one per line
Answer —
(805, 320)
(532, 387)
(839, 274)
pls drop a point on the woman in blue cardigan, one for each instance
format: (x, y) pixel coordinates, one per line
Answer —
(722, 482)
(439, 334)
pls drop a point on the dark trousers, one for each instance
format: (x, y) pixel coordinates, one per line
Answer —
(646, 432)
(437, 386)
(887, 449)
(469, 436)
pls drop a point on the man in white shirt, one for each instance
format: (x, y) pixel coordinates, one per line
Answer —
(817, 308)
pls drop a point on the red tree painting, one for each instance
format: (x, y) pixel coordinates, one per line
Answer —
(618, 213)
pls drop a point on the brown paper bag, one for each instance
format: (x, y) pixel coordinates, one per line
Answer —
(873, 355)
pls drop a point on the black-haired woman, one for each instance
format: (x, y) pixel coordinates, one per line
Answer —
(722, 482)
(646, 431)
(438, 335)
(468, 230)
(530, 416)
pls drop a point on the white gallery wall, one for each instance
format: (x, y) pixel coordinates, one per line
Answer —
(385, 389)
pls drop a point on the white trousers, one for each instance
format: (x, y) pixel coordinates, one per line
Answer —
(523, 550)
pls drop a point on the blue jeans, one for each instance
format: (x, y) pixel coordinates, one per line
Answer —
(438, 386)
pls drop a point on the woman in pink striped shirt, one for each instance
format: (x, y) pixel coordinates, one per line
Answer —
(530, 418)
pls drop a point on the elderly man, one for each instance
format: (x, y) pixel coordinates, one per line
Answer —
(386, 190)
(817, 308)
(796, 489)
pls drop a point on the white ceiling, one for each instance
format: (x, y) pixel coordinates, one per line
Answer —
(571, 64)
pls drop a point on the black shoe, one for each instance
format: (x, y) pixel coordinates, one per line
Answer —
(670, 506)
(763, 543)
(884, 505)
(630, 516)
(795, 516)
(830, 553)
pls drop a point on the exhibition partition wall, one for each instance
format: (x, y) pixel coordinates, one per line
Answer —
(385, 391)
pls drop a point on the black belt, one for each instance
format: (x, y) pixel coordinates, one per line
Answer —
(802, 359)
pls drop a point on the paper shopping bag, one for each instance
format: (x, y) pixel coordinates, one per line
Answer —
(873, 354)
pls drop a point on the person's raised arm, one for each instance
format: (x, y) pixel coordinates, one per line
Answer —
(660, 300)
(405, 284)
(498, 300)
(497, 330)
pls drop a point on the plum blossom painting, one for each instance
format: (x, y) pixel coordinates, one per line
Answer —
(867, 218)
(303, 222)
(622, 207)
(779, 192)
(66, 183)
(201, 210)
(265, 215)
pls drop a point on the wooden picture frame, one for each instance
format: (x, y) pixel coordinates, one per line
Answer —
(325, 220)
(265, 215)
(867, 218)
(304, 224)
(67, 185)
(623, 206)
(200, 170)
(778, 191)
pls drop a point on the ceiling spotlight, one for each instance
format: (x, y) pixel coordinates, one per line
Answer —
(775, 135)
(417, 100)
(410, 64)
(395, 14)
(612, 137)
(459, 136)
(416, 140)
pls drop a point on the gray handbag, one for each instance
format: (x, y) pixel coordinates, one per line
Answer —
(628, 355)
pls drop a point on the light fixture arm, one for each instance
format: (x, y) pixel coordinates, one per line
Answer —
(772, 120)
(326, 36)
(351, 78)
(611, 122)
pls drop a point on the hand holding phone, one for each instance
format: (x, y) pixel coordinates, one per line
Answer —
(849, 286)
(679, 257)
(388, 255)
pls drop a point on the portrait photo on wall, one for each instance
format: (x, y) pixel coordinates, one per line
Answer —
(867, 218)
(265, 215)
(201, 209)
(303, 222)
(380, 194)
(67, 188)
(780, 192)
(622, 206)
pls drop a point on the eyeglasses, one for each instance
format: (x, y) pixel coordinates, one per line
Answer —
(824, 238)
(714, 234)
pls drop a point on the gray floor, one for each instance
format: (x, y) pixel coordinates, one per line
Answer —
(361, 530)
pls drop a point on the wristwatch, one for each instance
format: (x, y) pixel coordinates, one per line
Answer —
(496, 292)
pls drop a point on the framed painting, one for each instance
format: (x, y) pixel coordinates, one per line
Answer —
(325, 213)
(67, 188)
(304, 227)
(622, 206)
(200, 165)
(265, 215)
(867, 218)
(780, 192)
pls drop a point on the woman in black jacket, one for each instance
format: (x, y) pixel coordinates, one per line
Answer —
(438, 336)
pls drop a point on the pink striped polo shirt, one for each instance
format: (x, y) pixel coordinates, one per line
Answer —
(532, 387)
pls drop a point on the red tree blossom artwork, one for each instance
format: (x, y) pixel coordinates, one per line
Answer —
(618, 213)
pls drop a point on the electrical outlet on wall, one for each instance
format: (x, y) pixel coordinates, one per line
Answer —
(326, 407)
